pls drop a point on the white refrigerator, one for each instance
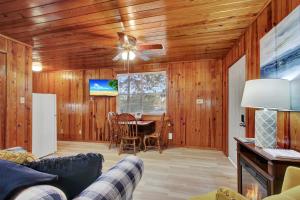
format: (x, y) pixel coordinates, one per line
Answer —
(44, 131)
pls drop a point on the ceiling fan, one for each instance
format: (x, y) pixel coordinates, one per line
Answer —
(130, 49)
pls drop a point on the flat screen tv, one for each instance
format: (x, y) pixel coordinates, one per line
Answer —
(103, 87)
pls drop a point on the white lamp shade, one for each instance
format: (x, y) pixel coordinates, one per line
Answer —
(267, 93)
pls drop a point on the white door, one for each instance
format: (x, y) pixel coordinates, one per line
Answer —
(44, 137)
(236, 112)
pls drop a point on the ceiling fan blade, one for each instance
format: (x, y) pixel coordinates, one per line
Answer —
(121, 37)
(142, 56)
(128, 39)
(144, 47)
(117, 57)
(131, 40)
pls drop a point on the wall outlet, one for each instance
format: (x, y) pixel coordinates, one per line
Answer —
(22, 100)
(61, 131)
(200, 101)
(170, 136)
(80, 132)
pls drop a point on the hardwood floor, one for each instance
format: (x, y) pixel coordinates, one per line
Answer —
(175, 174)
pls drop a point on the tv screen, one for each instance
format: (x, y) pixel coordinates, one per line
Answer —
(103, 87)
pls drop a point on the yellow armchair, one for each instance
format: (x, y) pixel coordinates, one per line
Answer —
(290, 189)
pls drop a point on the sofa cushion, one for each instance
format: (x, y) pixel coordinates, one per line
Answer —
(116, 184)
(39, 192)
(15, 176)
(75, 173)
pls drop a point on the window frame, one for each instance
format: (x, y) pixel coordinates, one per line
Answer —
(142, 94)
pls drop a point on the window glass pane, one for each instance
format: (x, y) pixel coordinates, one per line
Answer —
(135, 103)
(136, 84)
(123, 84)
(154, 83)
(146, 93)
(122, 103)
(154, 103)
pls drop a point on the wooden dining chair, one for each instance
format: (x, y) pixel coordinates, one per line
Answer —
(156, 136)
(113, 129)
(128, 132)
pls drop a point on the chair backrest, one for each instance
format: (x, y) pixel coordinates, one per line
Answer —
(162, 124)
(112, 122)
(127, 125)
(111, 116)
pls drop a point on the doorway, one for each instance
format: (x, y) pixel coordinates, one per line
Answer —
(236, 114)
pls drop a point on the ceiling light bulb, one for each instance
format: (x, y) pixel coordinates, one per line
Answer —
(37, 67)
(126, 38)
(131, 55)
(124, 55)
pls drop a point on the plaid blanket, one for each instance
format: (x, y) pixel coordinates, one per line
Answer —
(116, 184)
(45, 192)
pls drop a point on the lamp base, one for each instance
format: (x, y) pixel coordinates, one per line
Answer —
(265, 128)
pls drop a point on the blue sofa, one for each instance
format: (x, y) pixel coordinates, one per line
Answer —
(118, 183)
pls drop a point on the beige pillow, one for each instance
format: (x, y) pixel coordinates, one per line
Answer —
(228, 194)
(16, 157)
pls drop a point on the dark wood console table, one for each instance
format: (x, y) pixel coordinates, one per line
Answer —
(262, 166)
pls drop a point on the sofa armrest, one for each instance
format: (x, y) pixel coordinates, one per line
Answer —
(116, 184)
(40, 192)
(291, 178)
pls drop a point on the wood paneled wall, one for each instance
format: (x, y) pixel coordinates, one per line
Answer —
(193, 125)
(16, 89)
(79, 116)
(248, 44)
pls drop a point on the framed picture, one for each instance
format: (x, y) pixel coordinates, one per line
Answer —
(280, 54)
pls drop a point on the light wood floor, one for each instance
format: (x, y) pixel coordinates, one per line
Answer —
(177, 173)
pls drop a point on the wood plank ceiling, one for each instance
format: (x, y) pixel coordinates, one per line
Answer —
(78, 34)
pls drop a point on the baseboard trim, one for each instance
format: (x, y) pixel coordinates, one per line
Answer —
(232, 162)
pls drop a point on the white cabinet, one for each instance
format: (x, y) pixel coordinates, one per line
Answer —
(44, 135)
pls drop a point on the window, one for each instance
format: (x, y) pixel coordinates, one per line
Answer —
(142, 92)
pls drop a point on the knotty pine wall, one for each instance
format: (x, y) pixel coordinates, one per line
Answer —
(81, 117)
(16, 83)
(248, 44)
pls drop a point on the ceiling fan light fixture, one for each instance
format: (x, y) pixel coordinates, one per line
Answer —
(131, 55)
(126, 38)
(37, 66)
(128, 55)
(124, 55)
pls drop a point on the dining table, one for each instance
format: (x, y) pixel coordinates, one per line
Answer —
(145, 127)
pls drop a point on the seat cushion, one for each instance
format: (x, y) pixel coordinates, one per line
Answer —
(15, 177)
(75, 173)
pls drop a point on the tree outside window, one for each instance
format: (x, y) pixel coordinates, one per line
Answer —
(142, 92)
